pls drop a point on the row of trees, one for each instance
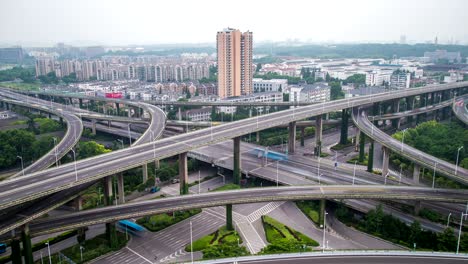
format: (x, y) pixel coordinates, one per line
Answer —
(377, 223)
(25, 74)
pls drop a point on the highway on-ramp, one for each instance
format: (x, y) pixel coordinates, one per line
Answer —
(415, 155)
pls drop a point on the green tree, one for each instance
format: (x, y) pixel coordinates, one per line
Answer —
(90, 149)
(335, 91)
(446, 240)
(415, 232)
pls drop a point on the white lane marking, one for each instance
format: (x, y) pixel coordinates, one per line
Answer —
(134, 252)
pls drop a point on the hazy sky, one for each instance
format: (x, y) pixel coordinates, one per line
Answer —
(118, 22)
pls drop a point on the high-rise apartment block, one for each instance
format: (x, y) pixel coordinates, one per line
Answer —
(235, 69)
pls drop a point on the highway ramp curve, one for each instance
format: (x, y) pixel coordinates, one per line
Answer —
(443, 167)
(460, 109)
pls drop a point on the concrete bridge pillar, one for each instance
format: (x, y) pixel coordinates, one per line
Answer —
(318, 135)
(229, 225)
(117, 106)
(399, 122)
(302, 136)
(344, 127)
(78, 203)
(362, 146)
(16, 256)
(386, 158)
(416, 173)
(183, 173)
(109, 123)
(156, 164)
(120, 188)
(129, 112)
(145, 172)
(7, 106)
(80, 102)
(71, 102)
(27, 245)
(417, 207)
(179, 113)
(237, 160)
(370, 160)
(93, 127)
(107, 185)
(292, 138)
(257, 139)
(250, 112)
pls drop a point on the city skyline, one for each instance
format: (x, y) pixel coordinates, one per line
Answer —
(129, 23)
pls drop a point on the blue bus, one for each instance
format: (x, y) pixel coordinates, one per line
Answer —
(3, 248)
(272, 155)
(130, 226)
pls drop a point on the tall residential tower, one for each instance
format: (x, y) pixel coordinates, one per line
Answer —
(235, 68)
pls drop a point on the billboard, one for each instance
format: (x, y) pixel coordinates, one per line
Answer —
(117, 95)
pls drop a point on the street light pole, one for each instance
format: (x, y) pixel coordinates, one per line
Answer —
(81, 253)
(121, 141)
(354, 172)
(433, 176)
(129, 136)
(55, 151)
(48, 249)
(403, 139)
(191, 242)
(456, 164)
(324, 229)
(277, 162)
(74, 157)
(460, 230)
(22, 165)
(448, 219)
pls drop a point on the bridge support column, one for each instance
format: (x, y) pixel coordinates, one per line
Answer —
(302, 136)
(93, 126)
(80, 102)
(109, 123)
(120, 188)
(179, 113)
(292, 138)
(27, 245)
(229, 225)
(257, 135)
(111, 234)
(237, 160)
(344, 127)
(145, 172)
(78, 203)
(16, 257)
(117, 106)
(318, 136)
(362, 146)
(50, 116)
(386, 158)
(370, 161)
(399, 123)
(322, 210)
(183, 173)
(7, 106)
(250, 112)
(1, 104)
(156, 164)
(107, 185)
(416, 173)
(417, 207)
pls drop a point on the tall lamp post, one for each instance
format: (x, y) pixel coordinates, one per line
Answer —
(460, 230)
(456, 164)
(74, 158)
(22, 165)
(55, 151)
(324, 229)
